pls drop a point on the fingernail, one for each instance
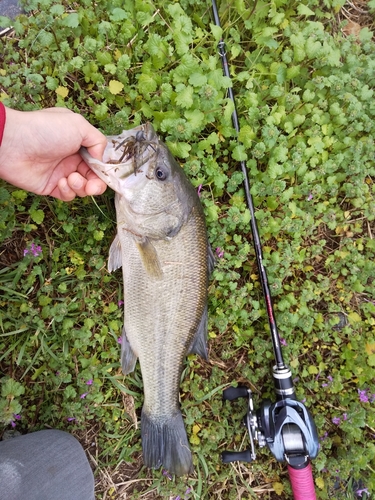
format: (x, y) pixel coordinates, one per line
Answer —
(64, 186)
(77, 185)
(100, 189)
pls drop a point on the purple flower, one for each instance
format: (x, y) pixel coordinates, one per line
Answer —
(35, 250)
(119, 340)
(82, 396)
(363, 397)
(330, 380)
(16, 417)
(166, 474)
(359, 492)
(219, 252)
(283, 342)
(120, 303)
(310, 197)
(336, 420)
(345, 416)
(89, 382)
(324, 437)
(71, 419)
(199, 189)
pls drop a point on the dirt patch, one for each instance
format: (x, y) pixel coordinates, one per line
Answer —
(357, 15)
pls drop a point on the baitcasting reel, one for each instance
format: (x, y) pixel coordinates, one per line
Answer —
(285, 427)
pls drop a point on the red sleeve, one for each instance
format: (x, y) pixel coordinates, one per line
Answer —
(2, 121)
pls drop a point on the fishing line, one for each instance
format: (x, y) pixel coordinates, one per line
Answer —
(101, 211)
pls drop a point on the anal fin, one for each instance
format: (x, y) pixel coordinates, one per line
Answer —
(211, 259)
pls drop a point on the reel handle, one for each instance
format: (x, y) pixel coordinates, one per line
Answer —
(232, 393)
(234, 456)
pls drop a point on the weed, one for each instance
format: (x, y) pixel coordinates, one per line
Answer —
(304, 94)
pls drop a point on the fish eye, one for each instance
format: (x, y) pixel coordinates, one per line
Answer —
(161, 174)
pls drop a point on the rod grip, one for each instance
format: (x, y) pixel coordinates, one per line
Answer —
(302, 483)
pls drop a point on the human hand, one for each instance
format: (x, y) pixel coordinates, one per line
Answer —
(39, 153)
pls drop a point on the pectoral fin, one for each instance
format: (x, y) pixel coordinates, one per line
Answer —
(115, 258)
(128, 358)
(199, 344)
(149, 258)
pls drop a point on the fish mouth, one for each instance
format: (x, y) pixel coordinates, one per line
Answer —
(139, 147)
(125, 154)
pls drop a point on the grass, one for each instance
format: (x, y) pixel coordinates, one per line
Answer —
(304, 90)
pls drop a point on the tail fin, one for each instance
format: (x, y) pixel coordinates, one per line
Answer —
(164, 442)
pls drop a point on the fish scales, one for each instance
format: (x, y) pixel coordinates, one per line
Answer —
(162, 246)
(162, 315)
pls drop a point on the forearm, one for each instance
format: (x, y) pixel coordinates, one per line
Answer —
(2, 121)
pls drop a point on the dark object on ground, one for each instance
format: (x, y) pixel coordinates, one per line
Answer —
(342, 321)
(45, 464)
(11, 9)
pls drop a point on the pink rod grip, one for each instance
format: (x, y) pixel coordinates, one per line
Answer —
(302, 483)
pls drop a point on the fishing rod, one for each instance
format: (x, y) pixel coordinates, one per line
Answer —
(285, 426)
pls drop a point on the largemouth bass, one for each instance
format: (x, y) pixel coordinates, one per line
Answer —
(163, 249)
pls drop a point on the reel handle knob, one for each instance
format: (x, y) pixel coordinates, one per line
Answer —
(232, 393)
(234, 456)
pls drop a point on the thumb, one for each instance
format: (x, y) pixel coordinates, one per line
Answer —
(93, 140)
(97, 150)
